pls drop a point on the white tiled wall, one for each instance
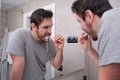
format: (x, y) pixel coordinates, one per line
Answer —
(3, 23)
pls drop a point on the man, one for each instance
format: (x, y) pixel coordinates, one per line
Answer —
(100, 22)
(32, 49)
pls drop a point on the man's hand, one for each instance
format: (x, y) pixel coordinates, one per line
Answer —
(59, 42)
(85, 41)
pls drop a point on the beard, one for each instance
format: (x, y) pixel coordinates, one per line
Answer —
(91, 32)
(94, 37)
(43, 38)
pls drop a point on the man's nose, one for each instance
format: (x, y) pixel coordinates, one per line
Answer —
(49, 30)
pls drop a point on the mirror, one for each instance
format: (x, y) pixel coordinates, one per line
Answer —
(18, 16)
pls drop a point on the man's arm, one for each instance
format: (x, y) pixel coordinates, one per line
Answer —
(109, 72)
(94, 56)
(57, 61)
(86, 44)
(59, 44)
(18, 67)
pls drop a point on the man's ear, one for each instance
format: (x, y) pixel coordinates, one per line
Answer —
(89, 16)
(33, 26)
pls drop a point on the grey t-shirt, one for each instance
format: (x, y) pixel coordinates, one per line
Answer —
(36, 53)
(109, 37)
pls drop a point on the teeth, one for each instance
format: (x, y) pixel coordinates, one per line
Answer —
(47, 37)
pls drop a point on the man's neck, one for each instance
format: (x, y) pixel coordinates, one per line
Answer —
(34, 35)
(96, 23)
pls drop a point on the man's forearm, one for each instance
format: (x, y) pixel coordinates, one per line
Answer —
(17, 73)
(18, 67)
(57, 61)
(93, 54)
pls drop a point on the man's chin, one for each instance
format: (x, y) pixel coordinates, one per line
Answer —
(43, 40)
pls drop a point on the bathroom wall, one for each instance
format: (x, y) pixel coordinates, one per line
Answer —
(15, 19)
(115, 3)
(3, 22)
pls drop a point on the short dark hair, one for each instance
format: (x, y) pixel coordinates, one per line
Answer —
(97, 7)
(39, 15)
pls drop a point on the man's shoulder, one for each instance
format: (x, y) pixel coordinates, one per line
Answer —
(21, 30)
(111, 15)
(111, 12)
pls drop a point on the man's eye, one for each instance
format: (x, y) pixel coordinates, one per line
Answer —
(45, 27)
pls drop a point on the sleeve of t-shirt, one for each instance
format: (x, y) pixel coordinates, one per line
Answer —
(109, 41)
(52, 50)
(16, 44)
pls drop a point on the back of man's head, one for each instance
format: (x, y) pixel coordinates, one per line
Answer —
(98, 7)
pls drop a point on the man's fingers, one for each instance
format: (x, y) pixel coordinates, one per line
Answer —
(59, 38)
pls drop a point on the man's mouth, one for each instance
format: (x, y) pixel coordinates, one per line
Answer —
(47, 38)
